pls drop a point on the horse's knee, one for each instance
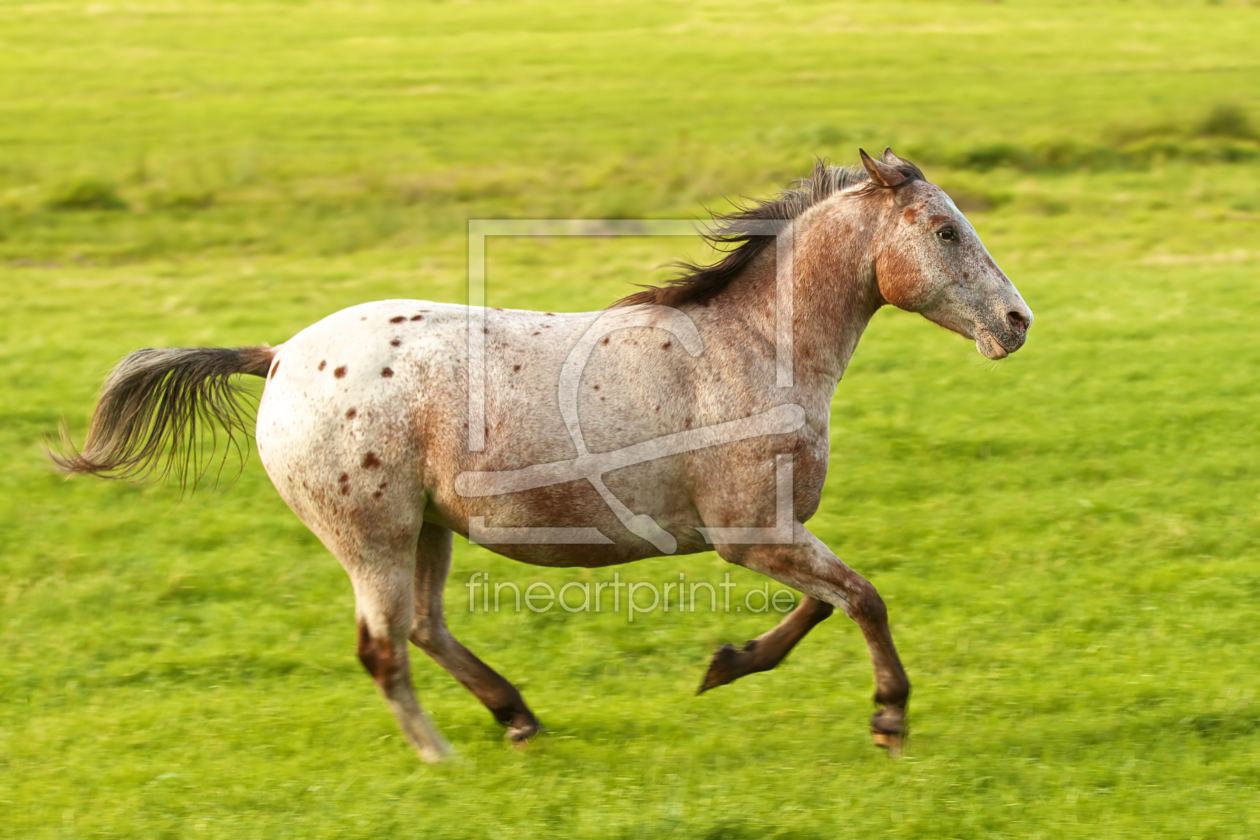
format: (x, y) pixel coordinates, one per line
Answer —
(865, 605)
(378, 657)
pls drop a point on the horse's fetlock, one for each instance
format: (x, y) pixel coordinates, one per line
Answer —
(894, 696)
(889, 721)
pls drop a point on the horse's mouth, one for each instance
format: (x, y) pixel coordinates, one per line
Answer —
(993, 348)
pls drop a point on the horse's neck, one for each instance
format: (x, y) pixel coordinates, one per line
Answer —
(834, 296)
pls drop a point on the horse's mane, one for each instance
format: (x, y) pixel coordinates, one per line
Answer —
(699, 283)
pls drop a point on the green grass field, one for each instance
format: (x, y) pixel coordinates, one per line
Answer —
(1068, 541)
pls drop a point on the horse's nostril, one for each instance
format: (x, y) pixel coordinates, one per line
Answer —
(1018, 322)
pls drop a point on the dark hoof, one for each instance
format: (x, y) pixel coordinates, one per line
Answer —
(888, 730)
(723, 668)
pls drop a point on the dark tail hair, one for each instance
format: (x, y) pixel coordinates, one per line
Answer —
(150, 406)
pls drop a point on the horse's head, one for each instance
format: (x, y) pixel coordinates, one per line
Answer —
(930, 260)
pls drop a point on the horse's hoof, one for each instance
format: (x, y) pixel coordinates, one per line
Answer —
(721, 668)
(888, 730)
(519, 734)
(889, 741)
(431, 755)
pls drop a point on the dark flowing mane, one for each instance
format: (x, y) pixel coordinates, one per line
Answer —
(728, 233)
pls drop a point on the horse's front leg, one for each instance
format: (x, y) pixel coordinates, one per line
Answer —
(809, 566)
(767, 650)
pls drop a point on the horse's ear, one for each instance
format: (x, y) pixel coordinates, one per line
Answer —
(892, 160)
(881, 173)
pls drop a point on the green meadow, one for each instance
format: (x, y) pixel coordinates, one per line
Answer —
(1068, 541)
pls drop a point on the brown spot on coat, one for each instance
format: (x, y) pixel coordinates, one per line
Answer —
(516, 367)
(377, 494)
(340, 372)
(352, 413)
(605, 341)
(370, 461)
(417, 317)
(398, 319)
(387, 372)
(323, 363)
(395, 342)
(596, 387)
(667, 345)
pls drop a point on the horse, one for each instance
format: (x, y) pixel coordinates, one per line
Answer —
(677, 402)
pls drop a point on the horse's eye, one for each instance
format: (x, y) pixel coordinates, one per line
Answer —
(947, 234)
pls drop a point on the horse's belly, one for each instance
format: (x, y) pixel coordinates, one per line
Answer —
(571, 523)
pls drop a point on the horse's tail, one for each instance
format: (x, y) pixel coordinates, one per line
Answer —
(150, 407)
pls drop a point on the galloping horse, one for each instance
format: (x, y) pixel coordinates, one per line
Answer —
(363, 430)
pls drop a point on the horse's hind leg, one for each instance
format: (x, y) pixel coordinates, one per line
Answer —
(429, 632)
(767, 650)
(383, 609)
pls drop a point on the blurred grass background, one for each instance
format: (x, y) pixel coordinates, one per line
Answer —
(1066, 541)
